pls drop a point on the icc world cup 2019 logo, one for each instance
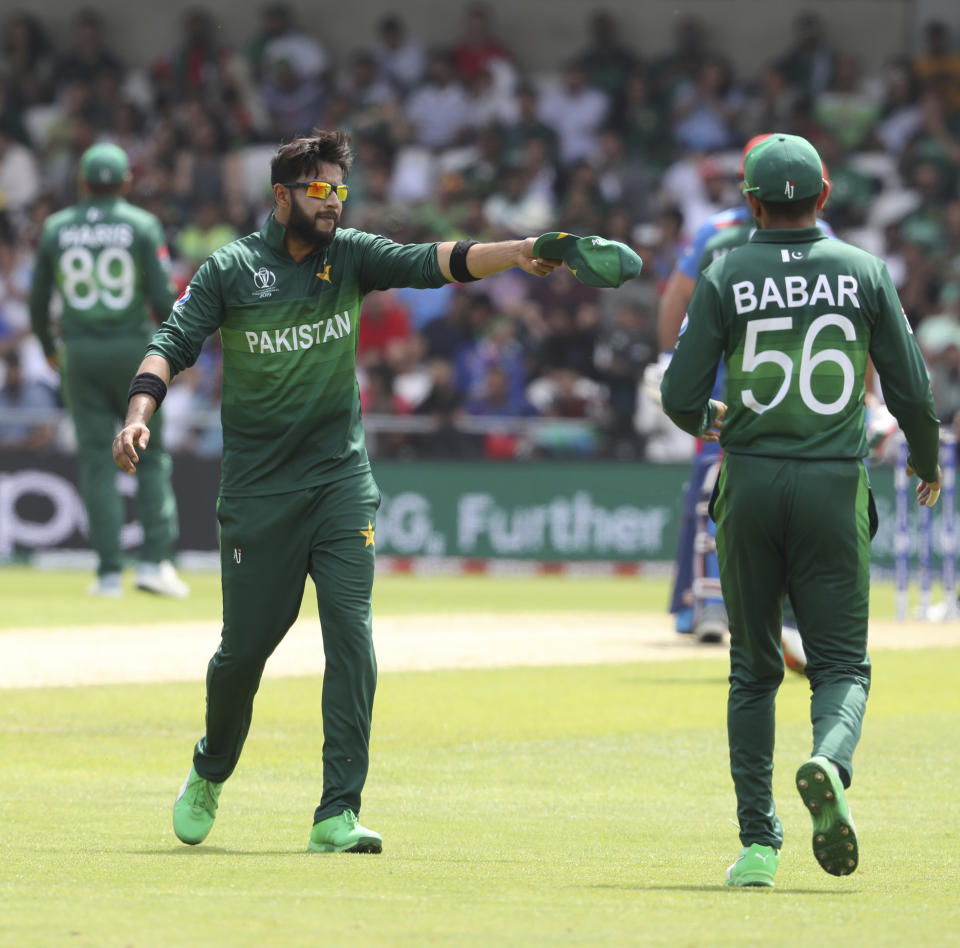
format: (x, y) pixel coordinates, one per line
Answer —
(264, 278)
(265, 281)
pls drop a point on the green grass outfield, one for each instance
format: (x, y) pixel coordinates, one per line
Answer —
(520, 806)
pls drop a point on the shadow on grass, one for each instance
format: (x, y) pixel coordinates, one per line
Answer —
(198, 853)
(722, 888)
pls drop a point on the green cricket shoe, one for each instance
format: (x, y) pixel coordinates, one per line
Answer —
(756, 865)
(195, 808)
(343, 834)
(834, 835)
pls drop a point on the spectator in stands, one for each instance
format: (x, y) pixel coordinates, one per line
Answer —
(773, 104)
(850, 108)
(622, 179)
(624, 348)
(88, 57)
(28, 409)
(11, 113)
(373, 100)
(478, 47)
(706, 109)
(202, 168)
(937, 68)
(606, 59)
(19, 175)
(527, 126)
(444, 406)
(400, 58)
(26, 59)
(900, 114)
(495, 343)
(682, 61)
(279, 37)
(197, 64)
(516, 206)
(642, 121)
(384, 329)
(438, 108)
(810, 61)
(575, 112)
(207, 229)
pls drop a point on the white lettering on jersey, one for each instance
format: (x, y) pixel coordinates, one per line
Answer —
(745, 297)
(847, 286)
(771, 295)
(96, 235)
(793, 292)
(796, 291)
(295, 338)
(822, 291)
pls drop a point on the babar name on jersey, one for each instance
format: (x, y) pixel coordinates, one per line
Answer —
(795, 291)
(296, 338)
(95, 235)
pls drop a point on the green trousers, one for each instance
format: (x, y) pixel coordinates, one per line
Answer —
(803, 528)
(96, 378)
(268, 547)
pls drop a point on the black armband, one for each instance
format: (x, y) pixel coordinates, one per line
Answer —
(458, 262)
(146, 383)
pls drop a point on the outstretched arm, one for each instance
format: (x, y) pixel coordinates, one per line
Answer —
(140, 409)
(484, 260)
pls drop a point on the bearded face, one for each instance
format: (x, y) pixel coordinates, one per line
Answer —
(313, 221)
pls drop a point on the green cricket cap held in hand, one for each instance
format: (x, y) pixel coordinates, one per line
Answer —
(105, 165)
(594, 261)
(783, 168)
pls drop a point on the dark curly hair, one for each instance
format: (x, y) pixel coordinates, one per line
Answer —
(303, 155)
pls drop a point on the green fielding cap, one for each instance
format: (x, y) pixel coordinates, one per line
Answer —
(783, 168)
(592, 260)
(104, 164)
(552, 246)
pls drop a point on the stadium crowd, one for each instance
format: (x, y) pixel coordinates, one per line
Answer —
(463, 140)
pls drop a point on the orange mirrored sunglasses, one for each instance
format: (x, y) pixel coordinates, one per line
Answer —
(321, 189)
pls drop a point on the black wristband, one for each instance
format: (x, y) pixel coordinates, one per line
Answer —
(146, 383)
(458, 262)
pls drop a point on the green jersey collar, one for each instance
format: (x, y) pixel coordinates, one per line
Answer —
(273, 233)
(788, 235)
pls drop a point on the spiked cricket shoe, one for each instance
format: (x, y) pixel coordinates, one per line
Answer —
(834, 835)
(755, 866)
(343, 834)
(195, 808)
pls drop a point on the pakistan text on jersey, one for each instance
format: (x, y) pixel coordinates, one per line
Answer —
(294, 338)
(790, 292)
(96, 235)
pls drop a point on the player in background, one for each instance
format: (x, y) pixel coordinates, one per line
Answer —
(297, 496)
(794, 317)
(108, 263)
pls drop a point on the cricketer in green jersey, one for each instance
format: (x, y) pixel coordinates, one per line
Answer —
(108, 263)
(794, 316)
(297, 497)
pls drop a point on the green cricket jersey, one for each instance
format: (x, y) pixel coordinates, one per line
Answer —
(291, 403)
(794, 315)
(108, 262)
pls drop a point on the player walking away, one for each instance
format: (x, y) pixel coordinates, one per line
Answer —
(297, 497)
(704, 614)
(794, 315)
(109, 265)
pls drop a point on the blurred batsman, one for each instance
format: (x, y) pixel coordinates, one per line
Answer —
(794, 316)
(297, 496)
(109, 264)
